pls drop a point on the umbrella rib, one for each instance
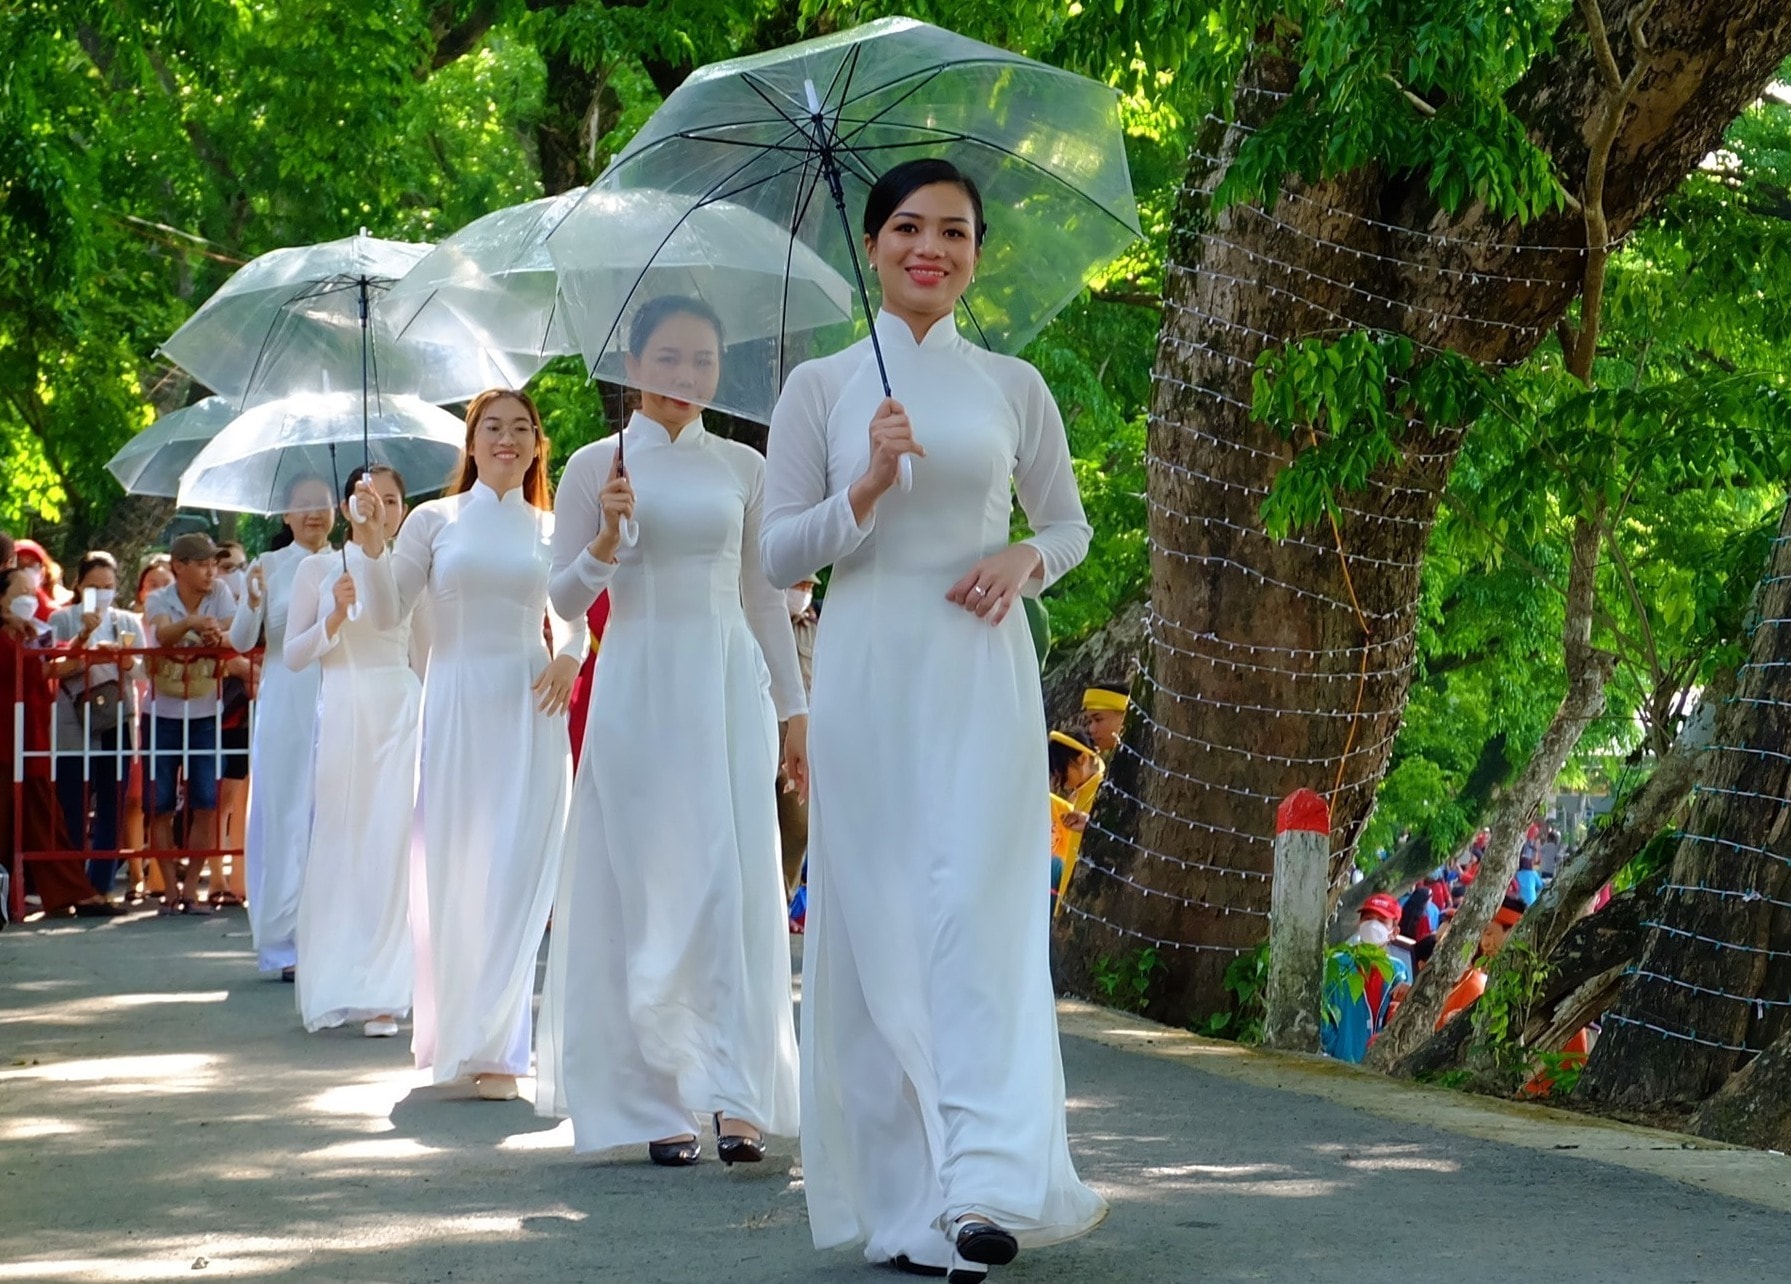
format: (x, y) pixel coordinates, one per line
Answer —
(805, 191)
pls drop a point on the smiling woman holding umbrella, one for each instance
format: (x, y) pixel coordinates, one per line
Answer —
(933, 1095)
(668, 990)
(496, 759)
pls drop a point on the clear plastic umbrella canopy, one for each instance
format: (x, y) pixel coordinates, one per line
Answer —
(798, 136)
(297, 320)
(617, 250)
(257, 463)
(489, 287)
(151, 462)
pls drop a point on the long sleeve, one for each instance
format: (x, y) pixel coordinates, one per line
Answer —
(1045, 481)
(578, 579)
(571, 635)
(245, 625)
(766, 611)
(804, 528)
(397, 578)
(308, 637)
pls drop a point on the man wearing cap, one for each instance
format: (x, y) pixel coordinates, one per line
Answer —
(1359, 1019)
(1104, 708)
(184, 704)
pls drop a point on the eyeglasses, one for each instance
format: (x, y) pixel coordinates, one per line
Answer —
(491, 428)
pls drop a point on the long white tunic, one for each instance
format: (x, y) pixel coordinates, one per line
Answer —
(932, 1080)
(668, 983)
(496, 771)
(353, 916)
(280, 766)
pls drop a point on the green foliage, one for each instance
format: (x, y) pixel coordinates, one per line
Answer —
(1347, 969)
(1125, 983)
(1247, 981)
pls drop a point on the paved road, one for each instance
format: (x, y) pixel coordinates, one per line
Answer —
(163, 1116)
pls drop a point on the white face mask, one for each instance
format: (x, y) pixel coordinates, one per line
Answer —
(34, 576)
(24, 607)
(236, 581)
(103, 599)
(798, 600)
(1374, 932)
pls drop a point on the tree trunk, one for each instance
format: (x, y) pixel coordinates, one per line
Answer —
(1111, 654)
(1597, 946)
(1282, 664)
(1754, 1107)
(1714, 984)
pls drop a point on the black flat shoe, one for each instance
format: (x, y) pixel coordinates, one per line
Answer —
(674, 1154)
(737, 1150)
(98, 909)
(908, 1266)
(986, 1243)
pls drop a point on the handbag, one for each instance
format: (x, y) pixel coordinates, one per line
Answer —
(101, 705)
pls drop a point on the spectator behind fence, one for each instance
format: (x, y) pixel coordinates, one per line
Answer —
(61, 885)
(184, 704)
(94, 709)
(42, 572)
(242, 677)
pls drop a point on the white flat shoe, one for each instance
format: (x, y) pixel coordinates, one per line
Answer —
(380, 1029)
(495, 1087)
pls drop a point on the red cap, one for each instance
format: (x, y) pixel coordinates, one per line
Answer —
(1380, 905)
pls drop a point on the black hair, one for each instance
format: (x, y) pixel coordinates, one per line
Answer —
(655, 312)
(1422, 951)
(283, 538)
(1117, 688)
(1060, 756)
(901, 182)
(94, 561)
(371, 470)
(1413, 917)
(1514, 903)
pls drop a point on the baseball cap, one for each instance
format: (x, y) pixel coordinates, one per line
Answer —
(194, 546)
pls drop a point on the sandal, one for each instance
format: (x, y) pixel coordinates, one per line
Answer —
(165, 910)
(190, 906)
(222, 900)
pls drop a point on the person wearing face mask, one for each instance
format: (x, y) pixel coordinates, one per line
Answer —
(792, 807)
(61, 885)
(36, 563)
(94, 708)
(241, 676)
(668, 984)
(1351, 1021)
(285, 727)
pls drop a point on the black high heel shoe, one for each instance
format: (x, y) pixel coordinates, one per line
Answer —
(986, 1243)
(737, 1150)
(675, 1154)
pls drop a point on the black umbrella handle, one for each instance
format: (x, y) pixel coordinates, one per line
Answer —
(831, 169)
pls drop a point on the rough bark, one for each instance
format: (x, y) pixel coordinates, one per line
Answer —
(1754, 1107)
(1110, 654)
(1235, 730)
(1713, 985)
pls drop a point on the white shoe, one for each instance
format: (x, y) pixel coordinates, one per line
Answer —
(386, 1029)
(495, 1087)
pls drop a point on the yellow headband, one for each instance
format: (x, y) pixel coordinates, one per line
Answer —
(1099, 699)
(1070, 742)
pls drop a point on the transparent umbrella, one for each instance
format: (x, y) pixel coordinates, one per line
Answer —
(618, 249)
(490, 287)
(151, 462)
(255, 463)
(799, 135)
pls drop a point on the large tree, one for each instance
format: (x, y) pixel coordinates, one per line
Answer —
(1390, 180)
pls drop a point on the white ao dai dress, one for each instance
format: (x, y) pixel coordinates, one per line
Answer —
(932, 1079)
(278, 836)
(496, 771)
(353, 919)
(668, 985)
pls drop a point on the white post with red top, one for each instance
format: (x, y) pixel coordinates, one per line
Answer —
(1297, 922)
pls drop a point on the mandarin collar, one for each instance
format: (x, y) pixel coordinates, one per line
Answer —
(650, 432)
(895, 332)
(482, 493)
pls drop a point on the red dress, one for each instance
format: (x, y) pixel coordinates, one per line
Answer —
(596, 617)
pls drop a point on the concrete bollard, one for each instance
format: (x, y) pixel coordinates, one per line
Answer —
(1297, 922)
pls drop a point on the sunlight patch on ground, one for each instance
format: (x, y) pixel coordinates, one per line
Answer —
(1403, 1163)
(166, 1072)
(558, 1137)
(81, 1011)
(372, 1098)
(32, 1129)
(374, 1148)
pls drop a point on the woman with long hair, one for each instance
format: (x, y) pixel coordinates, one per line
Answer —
(933, 1124)
(280, 752)
(668, 983)
(354, 910)
(496, 761)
